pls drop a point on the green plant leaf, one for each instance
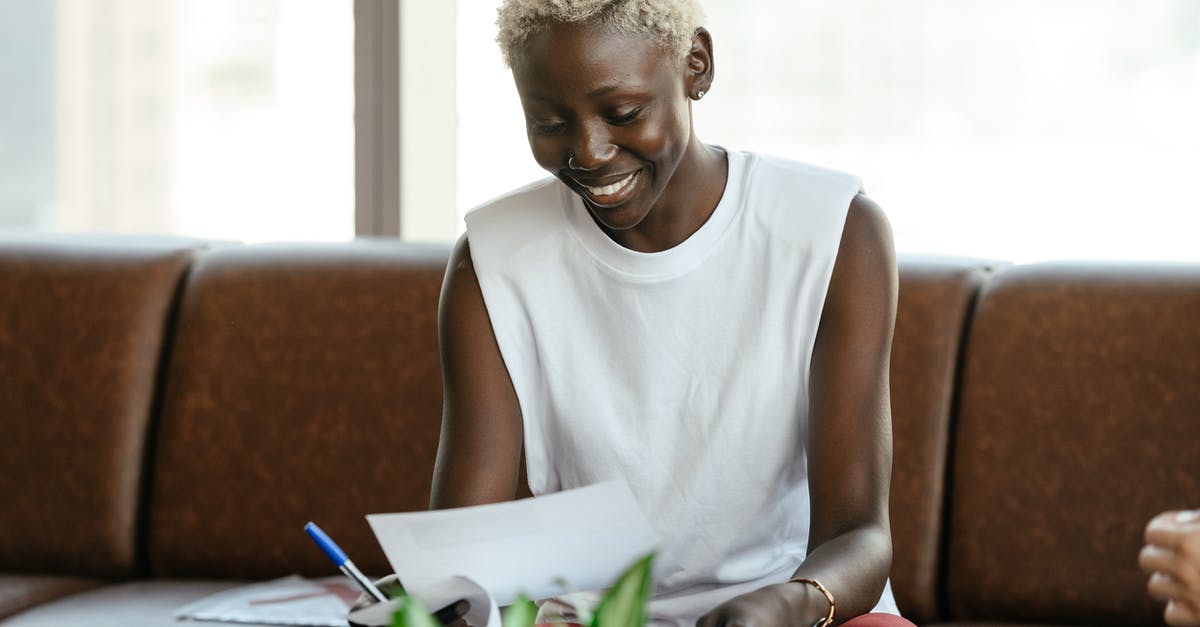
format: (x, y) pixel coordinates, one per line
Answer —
(521, 613)
(413, 614)
(624, 605)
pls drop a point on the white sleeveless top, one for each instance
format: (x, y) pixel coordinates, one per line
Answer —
(685, 371)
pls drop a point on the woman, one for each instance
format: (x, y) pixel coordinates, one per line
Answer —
(712, 326)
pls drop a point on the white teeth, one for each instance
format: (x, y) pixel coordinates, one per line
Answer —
(609, 190)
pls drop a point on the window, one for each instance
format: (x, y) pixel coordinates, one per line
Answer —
(214, 118)
(1021, 130)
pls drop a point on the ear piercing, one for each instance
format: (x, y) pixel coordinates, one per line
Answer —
(571, 162)
(699, 94)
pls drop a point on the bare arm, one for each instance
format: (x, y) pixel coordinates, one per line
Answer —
(849, 440)
(479, 451)
(850, 431)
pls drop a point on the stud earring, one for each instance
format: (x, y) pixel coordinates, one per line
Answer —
(699, 94)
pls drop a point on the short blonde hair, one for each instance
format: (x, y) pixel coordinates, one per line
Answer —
(669, 22)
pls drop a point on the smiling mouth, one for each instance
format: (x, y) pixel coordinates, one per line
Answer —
(613, 193)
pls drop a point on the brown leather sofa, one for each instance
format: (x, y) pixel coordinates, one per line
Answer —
(173, 413)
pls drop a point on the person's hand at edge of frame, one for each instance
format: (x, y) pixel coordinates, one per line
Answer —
(1172, 558)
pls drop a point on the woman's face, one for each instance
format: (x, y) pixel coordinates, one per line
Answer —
(607, 114)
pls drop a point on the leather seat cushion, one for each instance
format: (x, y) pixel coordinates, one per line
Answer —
(20, 592)
(936, 297)
(1077, 424)
(82, 330)
(305, 384)
(133, 604)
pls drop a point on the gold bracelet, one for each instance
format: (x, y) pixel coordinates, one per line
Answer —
(828, 620)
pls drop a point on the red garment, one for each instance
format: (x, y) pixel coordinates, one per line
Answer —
(878, 620)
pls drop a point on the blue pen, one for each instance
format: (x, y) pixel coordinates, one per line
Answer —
(344, 564)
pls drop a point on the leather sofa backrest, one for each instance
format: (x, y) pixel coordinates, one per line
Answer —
(82, 325)
(937, 295)
(304, 385)
(1079, 405)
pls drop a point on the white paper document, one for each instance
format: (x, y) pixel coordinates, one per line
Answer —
(586, 537)
(288, 601)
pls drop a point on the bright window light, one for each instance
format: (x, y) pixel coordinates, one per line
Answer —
(228, 119)
(1021, 130)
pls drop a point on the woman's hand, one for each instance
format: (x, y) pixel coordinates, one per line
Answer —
(1172, 557)
(451, 615)
(783, 604)
(389, 585)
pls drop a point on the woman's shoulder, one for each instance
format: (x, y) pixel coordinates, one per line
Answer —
(528, 219)
(799, 202)
(535, 197)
